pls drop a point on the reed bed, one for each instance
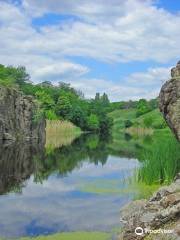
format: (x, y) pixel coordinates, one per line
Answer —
(162, 161)
(59, 133)
(140, 131)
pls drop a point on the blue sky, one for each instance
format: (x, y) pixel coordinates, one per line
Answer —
(124, 48)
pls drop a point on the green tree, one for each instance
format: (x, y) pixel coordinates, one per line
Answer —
(63, 106)
(105, 100)
(45, 99)
(93, 122)
(78, 117)
(142, 107)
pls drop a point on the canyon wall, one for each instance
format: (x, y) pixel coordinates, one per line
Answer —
(18, 117)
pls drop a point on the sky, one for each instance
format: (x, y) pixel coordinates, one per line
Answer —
(125, 48)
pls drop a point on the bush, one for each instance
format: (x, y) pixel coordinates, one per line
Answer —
(127, 123)
(142, 107)
(50, 115)
(106, 124)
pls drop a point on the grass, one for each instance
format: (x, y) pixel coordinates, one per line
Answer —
(74, 236)
(155, 115)
(120, 116)
(161, 161)
(59, 133)
(156, 147)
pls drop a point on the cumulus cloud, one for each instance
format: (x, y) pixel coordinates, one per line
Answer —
(152, 77)
(115, 32)
(116, 90)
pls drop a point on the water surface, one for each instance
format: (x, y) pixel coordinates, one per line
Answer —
(79, 187)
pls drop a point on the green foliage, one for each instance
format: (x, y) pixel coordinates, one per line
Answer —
(11, 76)
(159, 124)
(51, 115)
(93, 122)
(105, 123)
(127, 123)
(161, 161)
(142, 107)
(62, 101)
(148, 121)
(78, 116)
(63, 106)
(120, 116)
(45, 100)
(153, 104)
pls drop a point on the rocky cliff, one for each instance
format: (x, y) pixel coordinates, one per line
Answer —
(169, 101)
(17, 117)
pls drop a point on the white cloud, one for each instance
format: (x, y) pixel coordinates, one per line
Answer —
(116, 90)
(118, 31)
(152, 77)
(57, 71)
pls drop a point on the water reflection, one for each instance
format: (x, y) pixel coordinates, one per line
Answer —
(63, 160)
(80, 186)
(77, 187)
(16, 165)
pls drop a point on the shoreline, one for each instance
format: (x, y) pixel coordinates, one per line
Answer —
(154, 219)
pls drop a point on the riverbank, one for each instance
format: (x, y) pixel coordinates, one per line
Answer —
(154, 219)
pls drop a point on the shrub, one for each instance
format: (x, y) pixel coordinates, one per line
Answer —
(142, 107)
(127, 123)
(51, 115)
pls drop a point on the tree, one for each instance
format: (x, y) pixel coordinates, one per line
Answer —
(105, 100)
(142, 107)
(78, 116)
(21, 76)
(105, 123)
(63, 106)
(97, 97)
(45, 99)
(93, 122)
(13, 76)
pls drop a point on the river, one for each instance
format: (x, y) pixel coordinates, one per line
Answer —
(76, 187)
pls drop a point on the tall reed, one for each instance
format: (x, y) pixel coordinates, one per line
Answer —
(140, 131)
(161, 162)
(60, 133)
